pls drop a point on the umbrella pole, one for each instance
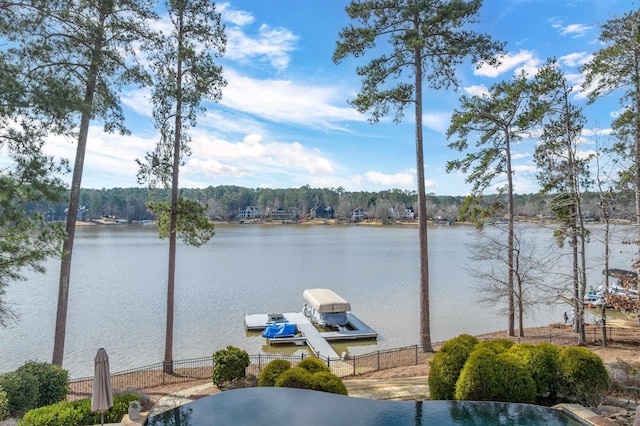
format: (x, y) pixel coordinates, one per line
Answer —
(102, 418)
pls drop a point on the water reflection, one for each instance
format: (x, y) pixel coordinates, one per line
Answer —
(283, 406)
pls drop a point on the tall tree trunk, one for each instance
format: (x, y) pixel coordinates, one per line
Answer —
(510, 244)
(577, 303)
(425, 321)
(173, 220)
(607, 253)
(636, 164)
(72, 212)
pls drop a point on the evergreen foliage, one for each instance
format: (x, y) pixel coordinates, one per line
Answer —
(229, 364)
(425, 42)
(53, 381)
(311, 375)
(497, 346)
(78, 413)
(314, 365)
(22, 391)
(490, 376)
(272, 371)
(583, 375)
(542, 362)
(298, 378)
(446, 365)
(324, 381)
(4, 404)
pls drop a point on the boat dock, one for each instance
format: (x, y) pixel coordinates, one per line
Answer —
(315, 339)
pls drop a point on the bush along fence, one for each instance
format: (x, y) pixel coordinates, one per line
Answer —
(188, 370)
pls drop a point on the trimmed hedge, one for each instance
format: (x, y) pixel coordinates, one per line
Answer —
(314, 365)
(497, 346)
(229, 364)
(22, 391)
(77, 413)
(583, 375)
(542, 362)
(53, 381)
(446, 365)
(272, 371)
(296, 377)
(490, 376)
(301, 378)
(328, 382)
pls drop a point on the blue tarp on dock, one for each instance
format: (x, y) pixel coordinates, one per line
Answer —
(279, 330)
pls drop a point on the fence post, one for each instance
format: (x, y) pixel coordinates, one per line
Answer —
(259, 363)
(416, 355)
(354, 365)
(378, 360)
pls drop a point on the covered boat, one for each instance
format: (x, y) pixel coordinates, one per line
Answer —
(280, 329)
(325, 307)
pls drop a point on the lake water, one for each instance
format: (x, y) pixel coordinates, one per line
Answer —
(118, 290)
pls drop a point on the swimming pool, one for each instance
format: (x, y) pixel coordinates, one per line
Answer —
(284, 406)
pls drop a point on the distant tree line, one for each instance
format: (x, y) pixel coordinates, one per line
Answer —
(223, 203)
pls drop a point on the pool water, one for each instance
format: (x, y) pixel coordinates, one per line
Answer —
(284, 406)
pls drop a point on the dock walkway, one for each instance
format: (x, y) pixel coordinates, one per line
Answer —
(316, 340)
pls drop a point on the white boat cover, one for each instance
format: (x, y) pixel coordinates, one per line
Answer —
(325, 300)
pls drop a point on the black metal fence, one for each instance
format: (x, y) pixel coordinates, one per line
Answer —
(190, 370)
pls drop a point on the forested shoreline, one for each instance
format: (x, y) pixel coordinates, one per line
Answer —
(224, 203)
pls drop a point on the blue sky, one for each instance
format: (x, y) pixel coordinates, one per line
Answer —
(284, 121)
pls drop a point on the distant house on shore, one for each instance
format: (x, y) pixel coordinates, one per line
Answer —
(249, 212)
(358, 214)
(402, 213)
(318, 212)
(280, 214)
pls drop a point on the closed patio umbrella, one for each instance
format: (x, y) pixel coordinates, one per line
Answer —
(101, 395)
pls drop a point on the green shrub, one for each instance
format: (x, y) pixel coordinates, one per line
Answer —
(488, 376)
(4, 405)
(229, 364)
(328, 382)
(77, 413)
(22, 391)
(53, 381)
(60, 414)
(447, 364)
(542, 362)
(583, 375)
(296, 377)
(314, 365)
(497, 346)
(272, 371)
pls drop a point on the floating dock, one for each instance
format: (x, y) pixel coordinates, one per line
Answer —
(315, 339)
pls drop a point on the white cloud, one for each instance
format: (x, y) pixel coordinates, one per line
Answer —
(575, 59)
(110, 158)
(596, 132)
(220, 158)
(139, 101)
(520, 155)
(477, 90)
(523, 60)
(288, 101)
(437, 121)
(271, 45)
(575, 30)
(236, 17)
(402, 179)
